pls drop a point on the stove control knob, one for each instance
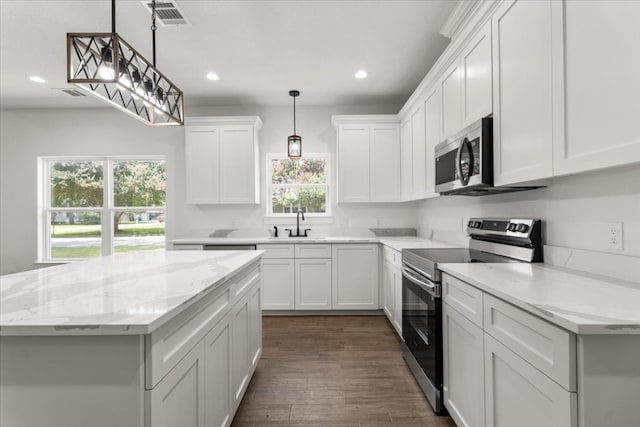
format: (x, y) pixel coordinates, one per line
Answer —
(477, 224)
(470, 224)
(512, 226)
(523, 228)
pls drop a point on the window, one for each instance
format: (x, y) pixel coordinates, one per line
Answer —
(100, 206)
(298, 184)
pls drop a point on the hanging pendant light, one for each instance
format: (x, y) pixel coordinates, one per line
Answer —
(294, 145)
(108, 67)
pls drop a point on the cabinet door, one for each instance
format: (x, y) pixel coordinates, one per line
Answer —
(432, 137)
(353, 163)
(179, 399)
(602, 69)
(238, 165)
(385, 163)
(451, 89)
(523, 76)
(419, 152)
(313, 284)
(463, 378)
(239, 351)
(397, 299)
(406, 153)
(255, 327)
(388, 290)
(476, 69)
(517, 394)
(202, 155)
(278, 283)
(355, 277)
(218, 375)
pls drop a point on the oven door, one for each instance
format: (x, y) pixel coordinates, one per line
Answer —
(422, 323)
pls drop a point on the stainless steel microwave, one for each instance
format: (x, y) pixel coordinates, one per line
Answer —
(465, 163)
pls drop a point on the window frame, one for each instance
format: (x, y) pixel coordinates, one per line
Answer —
(269, 185)
(106, 211)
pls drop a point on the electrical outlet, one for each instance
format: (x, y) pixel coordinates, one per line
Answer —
(615, 235)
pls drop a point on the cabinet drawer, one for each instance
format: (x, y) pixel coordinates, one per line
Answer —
(166, 346)
(244, 283)
(277, 251)
(547, 347)
(463, 297)
(391, 255)
(308, 250)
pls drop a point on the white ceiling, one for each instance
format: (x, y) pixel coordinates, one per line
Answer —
(260, 49)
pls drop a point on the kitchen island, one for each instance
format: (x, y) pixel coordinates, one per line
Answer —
(145, 339)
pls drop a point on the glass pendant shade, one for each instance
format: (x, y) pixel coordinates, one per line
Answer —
(294, 146)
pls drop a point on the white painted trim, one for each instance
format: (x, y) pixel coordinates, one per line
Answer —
(459, 17)
(366, 119)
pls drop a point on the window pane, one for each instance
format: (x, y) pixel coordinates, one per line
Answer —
(76, 184)
(75, 235)
(139, 183)
(298, 171)
(289, 200)
(138, 231)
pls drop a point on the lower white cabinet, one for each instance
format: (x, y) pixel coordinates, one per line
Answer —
(179, 399)
(463, 376)
(392, 287)
(517, 394)
(278, 283)
(217, 380)
(313, 284)
(355, 277)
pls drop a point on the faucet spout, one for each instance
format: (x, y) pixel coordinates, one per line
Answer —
(298, 222)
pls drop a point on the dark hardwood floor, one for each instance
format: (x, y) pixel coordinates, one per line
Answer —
(333, 371)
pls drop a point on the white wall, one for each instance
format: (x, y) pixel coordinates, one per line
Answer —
(575, 210)
(27, 134)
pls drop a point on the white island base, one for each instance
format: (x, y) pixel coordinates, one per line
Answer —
(192, 369)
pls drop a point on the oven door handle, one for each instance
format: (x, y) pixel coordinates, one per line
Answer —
(425, 284)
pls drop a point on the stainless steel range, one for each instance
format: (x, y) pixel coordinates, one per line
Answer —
(491, 240)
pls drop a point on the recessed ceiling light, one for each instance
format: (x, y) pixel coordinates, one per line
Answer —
(37, 79)
(361, 74)
(212, 76)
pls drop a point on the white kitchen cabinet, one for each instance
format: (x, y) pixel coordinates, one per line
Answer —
(368, 158)
(355, 276)
(463, 376)
(525, 68)
(518, 394)
(278, 282)
(602, 86)
(313, 284)
(239, 351)
(179, 399)
(217, 373)
(476, 74)
(432, 138)
(392, 287)
(255, 327)
(451, 91)
(221, 160)
(419, 152)
(406, 156)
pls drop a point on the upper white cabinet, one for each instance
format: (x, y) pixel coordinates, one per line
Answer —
(432, 138)
(525, 66)
(221, 156)
(451, 90)
(355, 277)
(406, 155)
(368, 158)
(476, 77)
(602, 86)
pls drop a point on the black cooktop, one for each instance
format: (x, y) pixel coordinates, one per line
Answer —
(426, 261)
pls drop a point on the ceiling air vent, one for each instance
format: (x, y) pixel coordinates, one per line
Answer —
(72, 92)
(167, 13)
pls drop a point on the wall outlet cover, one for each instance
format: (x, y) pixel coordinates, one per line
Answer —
(615, 236)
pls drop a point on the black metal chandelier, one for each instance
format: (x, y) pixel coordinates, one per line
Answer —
(294, 144)
(108, 67)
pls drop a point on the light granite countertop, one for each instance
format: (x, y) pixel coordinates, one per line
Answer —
(581, 303)
(127, 294)
(395, 242)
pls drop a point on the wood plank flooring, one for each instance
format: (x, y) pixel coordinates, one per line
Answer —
(333, 371)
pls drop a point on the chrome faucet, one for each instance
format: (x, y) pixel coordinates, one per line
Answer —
(298, 226)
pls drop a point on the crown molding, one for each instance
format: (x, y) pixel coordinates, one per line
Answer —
(459, 17)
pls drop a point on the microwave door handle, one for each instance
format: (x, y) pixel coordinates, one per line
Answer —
(464, 180)
(426, 285)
